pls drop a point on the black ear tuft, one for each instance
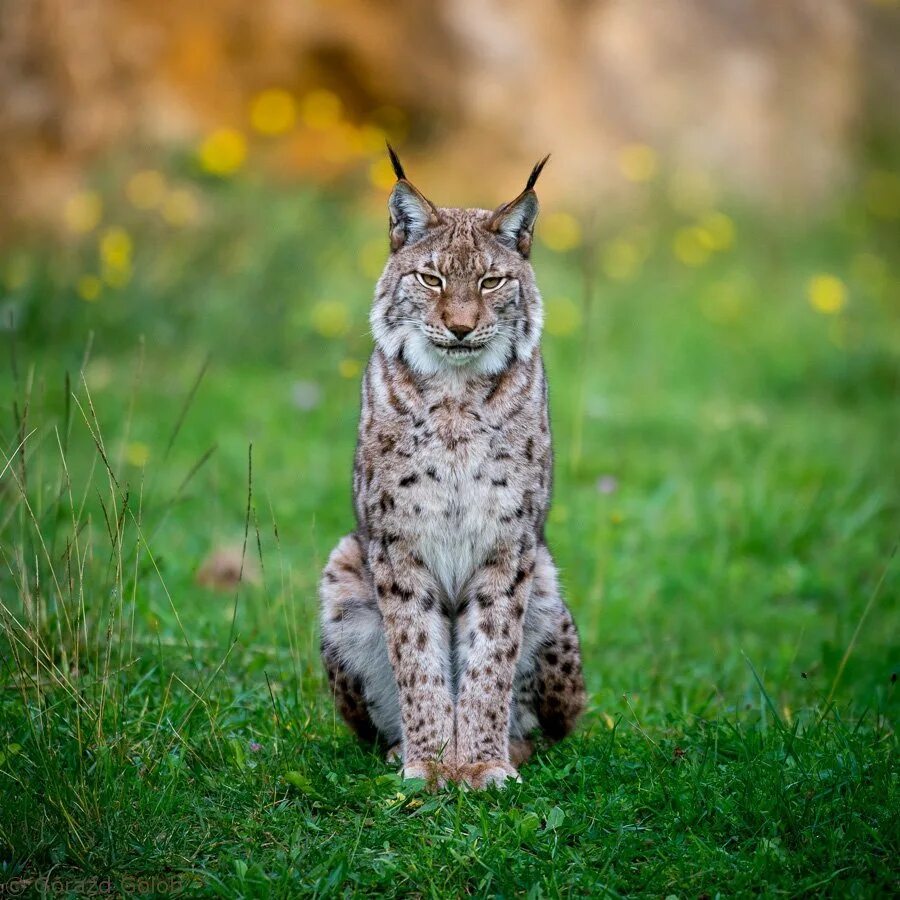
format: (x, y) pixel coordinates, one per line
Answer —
(398, 168)
(535, 172)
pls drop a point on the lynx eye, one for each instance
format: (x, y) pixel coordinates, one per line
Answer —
(429, 280)
(491, 283)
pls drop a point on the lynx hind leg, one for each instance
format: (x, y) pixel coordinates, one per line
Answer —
(559, 679)
(549, 690)
(354, 650)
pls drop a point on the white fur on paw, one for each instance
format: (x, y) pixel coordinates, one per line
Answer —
(394, 755)
(415, 770)
(483, 775)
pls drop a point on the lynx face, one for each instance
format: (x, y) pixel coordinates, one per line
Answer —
(458, 291)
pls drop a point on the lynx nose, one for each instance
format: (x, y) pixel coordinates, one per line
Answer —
(460, 331)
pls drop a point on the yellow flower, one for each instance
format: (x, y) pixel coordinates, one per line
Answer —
(115, 248)
(137, 454)
(321, 110)
(719, 230)
(561, 232)
(115, 256)
(146, 189)
(691, 245)
(223, 152)
(180, 207)
(562, 316)
(349, 368)
(83, 211)
(89, 287)
(608, 720)
(381, 174)
(331, 318)
(827, 294)
(638, 162)
(620, 259)
(273, 111)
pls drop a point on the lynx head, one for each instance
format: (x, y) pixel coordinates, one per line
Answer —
(458, 291)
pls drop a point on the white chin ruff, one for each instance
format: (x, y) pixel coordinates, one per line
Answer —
(428, 359)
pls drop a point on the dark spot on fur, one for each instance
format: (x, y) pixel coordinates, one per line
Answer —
(520, 576)
(484, 600)
(400, 592)
(407, 480)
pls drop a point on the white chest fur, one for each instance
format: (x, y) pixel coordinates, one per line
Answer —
(458, 508)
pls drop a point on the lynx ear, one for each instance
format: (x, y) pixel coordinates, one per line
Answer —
(513, 223)
(411, 213)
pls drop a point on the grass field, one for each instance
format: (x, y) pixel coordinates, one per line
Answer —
(724, 393)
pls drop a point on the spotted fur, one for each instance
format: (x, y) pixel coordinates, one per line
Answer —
(443, 628)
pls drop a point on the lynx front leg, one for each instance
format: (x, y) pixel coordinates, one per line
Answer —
(499, 599)
(418, 643)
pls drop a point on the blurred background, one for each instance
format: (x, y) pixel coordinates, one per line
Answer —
(776, 101)
(193, 218)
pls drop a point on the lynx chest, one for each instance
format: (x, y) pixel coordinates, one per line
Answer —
(453, 486)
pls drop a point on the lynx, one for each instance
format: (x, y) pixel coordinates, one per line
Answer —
(443, 629)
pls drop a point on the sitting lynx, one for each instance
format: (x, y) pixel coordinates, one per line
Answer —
(443, 629)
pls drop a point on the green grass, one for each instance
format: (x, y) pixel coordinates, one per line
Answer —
(734, 586)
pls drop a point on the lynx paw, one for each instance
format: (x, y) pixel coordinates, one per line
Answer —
(394, 755)
(437, 774)
(483, 774)
(520, 752)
